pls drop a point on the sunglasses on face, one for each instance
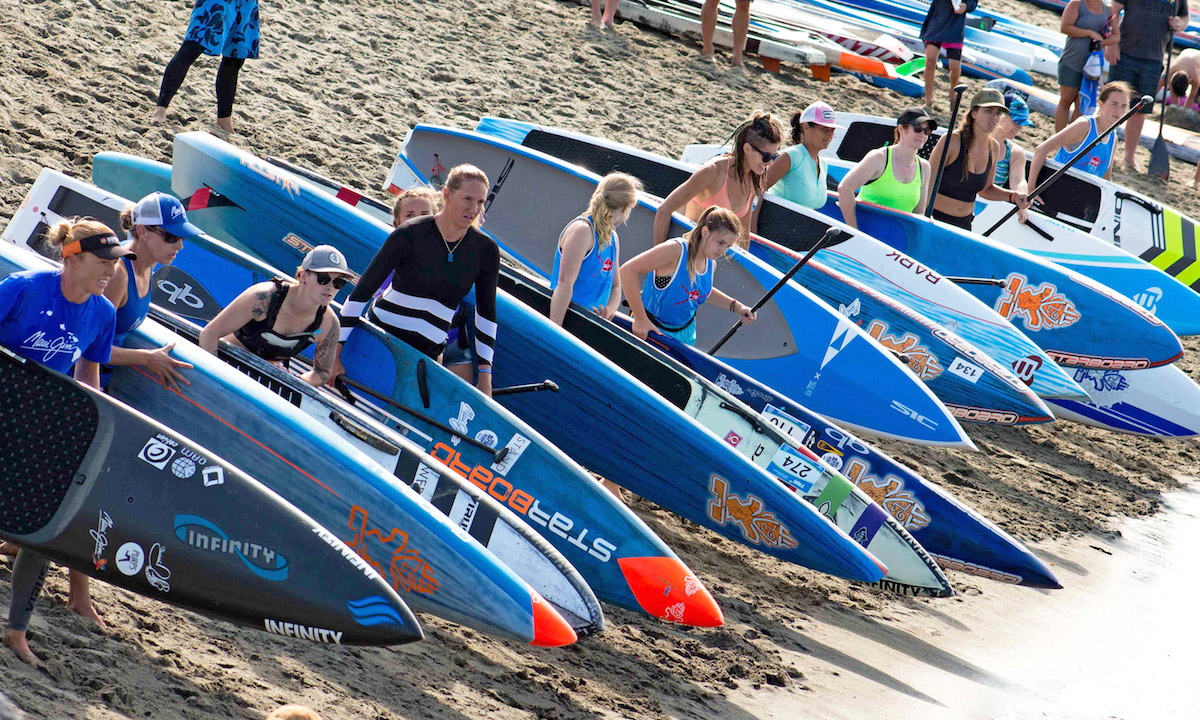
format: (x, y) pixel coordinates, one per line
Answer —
(168, 238)
(338, 281)
(766, 156)
(922, 128)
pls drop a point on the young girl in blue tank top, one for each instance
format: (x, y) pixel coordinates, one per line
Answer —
(157, 226)
(1113, 103)
(588, 252)
(679, 278)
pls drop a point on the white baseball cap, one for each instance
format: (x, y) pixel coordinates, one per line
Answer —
(162, 210)
(325, 258)
(821, 114)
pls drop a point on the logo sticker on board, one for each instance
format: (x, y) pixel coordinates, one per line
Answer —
(130, 558)
(1041, 308)
(733, 438)
(157, 452)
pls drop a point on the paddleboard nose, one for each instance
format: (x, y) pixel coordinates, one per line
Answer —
(668, 590)
(549, 628)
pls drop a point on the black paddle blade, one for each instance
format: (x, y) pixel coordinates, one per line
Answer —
(1160, 160)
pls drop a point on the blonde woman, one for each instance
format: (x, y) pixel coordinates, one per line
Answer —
(588, 252)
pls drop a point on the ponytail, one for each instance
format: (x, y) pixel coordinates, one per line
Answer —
(615, 192)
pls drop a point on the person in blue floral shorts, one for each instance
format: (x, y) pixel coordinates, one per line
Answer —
(224, 28)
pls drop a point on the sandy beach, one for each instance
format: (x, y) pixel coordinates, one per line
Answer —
(338, 83)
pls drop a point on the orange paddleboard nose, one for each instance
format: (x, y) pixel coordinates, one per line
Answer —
(668, 590)
(549, 628)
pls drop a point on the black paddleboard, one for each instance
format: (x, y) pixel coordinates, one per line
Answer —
(101, 488)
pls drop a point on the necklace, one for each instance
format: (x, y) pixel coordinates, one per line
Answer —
(450, 250)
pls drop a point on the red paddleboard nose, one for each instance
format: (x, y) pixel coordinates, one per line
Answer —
(549, 628)
(668, 590)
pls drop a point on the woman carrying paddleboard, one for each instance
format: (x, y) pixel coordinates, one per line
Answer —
(1114, 103)
(60, 318)
(588, 252)
(734, 181)
(434, 262)
(798, 174)
(892, 176)
(970, 167)
(278, 319)
(1010, 169)
(679, 278)
(157, 226)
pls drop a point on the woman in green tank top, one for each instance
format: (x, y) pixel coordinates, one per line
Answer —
(892, 176)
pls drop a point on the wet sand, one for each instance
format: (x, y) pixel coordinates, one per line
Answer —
(337, 85)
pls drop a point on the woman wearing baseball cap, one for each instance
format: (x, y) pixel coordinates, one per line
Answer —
(1114, 102)
(798, 173)
(58, 317)
(1010, 169)
(279, 319)
(157, 226)
(970, 167)
(892, 176)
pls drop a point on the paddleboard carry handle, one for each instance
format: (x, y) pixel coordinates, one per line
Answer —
(1146, 100)
(422, 383)
(826, 240)
(529, 387)
(975, 281)
(499, 455)
(941, 169)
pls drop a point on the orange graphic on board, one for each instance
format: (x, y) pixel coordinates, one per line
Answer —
(1042, 309)
(920, 360)
(890, 493)
(407, 569)
(758, 526)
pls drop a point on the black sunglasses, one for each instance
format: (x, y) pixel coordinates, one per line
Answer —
(922, 128)
(168, 238)
(338, 281)
(766, 156)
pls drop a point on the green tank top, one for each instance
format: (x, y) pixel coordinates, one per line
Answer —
(886, 190)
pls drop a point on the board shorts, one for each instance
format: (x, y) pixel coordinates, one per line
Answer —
(227, 28)
(1142, 75)
(953, 50)
(1069, 77)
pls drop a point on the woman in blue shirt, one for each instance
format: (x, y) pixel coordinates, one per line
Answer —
(588, 252)
(59, 318)
(679, 278)
(798, 174)
(1114, 102)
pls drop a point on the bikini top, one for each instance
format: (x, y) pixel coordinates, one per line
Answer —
(955, 186)
(260, 338)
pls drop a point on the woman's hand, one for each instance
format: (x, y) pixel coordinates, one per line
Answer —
(606, 311)
(748, 316)
(166, 368)
(336, 370)
(642, 327)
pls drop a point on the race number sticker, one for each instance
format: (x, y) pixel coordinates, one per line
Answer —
(794, 469)
(794, 428)
(966, 370)
(516, 446)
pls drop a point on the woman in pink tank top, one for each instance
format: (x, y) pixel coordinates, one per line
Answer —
(734, 181)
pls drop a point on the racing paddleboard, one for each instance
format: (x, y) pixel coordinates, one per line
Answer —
(98, 487)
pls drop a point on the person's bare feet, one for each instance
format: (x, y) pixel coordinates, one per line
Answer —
(225, 123)
(8, 548)
(79, 599)
(86, 609)
(160, 114)
(16, 642)
(1131, 166)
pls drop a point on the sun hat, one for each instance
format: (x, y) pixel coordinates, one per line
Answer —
(989, 97)
(325, 258)
(164, 211)
(1018, 110)
(821, 114)
(105, 245)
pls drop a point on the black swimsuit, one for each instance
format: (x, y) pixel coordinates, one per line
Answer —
(260, 338)
(957, 187)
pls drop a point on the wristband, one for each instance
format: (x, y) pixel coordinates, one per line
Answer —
(1012, 196)
(732, 303)
(486, 370)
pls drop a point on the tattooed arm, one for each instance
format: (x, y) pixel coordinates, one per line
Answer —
(250, 305)
(326, 352)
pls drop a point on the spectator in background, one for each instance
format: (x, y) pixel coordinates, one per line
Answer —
(610, 13)
(1088, 26)
(1184, 82)
(944, 28)
(1145, 32)
(741, 26)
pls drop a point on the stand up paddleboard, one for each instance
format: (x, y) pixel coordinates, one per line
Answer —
(100, 488)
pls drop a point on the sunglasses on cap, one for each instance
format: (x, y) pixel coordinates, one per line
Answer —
(766, 156)
(339, 281)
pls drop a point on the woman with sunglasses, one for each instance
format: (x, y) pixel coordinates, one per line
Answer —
(735, 181)
(278, 319)
(798, 174)
(157, 226)
(892, 176)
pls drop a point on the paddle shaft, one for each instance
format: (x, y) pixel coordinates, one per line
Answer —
(828, 237)
(499, 454)
(1074, 158)
(1160, 161)
(941, 169)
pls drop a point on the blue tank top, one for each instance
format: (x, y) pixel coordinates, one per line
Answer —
(673, 309)
(1098, 158)
(1002, 166)
(136, 307)
(593, 285)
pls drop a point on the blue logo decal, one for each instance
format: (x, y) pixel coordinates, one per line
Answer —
(374, 610)
(203, 535)
(1103, 380)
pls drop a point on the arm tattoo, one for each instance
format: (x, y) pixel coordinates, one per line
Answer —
(262, 301)
(326, 350)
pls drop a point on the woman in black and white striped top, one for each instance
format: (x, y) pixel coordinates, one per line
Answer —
(434, 261)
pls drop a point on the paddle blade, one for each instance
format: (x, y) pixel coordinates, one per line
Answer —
(1160, 160)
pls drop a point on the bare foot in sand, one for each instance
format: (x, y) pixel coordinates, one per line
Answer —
(16, 642)
(1131, 167)
(79, 599)
(8, 549)
(160, 114)
(225, 123)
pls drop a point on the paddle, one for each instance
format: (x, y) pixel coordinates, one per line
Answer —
(529, 387)
(1083, 151)
(937, 178)
(1160, 160)
(826, 240)
(341, 382)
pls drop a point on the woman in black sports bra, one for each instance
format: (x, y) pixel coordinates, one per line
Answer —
(279, 319)
(971, 172)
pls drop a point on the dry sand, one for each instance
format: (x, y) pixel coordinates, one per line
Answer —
(338, 83)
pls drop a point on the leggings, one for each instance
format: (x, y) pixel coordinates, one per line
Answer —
(963, 222)
(227, 77)
(28, 576)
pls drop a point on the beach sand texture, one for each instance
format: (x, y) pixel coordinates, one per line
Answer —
(338, 83)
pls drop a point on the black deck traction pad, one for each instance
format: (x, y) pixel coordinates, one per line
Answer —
(47, 425)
